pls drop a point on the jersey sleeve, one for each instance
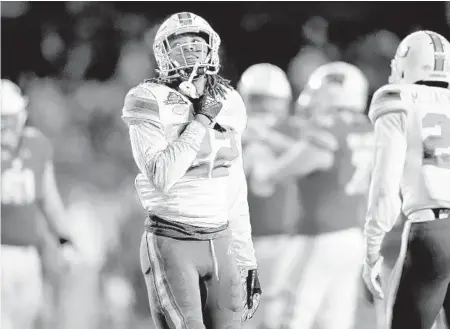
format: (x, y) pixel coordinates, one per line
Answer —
(384, 203)
(43, 144)
(241, 230)
(387, 99)
(163, 163)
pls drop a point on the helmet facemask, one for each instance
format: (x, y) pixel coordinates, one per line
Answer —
(11, 129)
(176, 60)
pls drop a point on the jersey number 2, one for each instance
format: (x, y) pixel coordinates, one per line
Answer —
(215, 156)
(436, 146)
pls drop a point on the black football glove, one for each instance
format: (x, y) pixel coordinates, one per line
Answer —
(253, 293)
(208, 106)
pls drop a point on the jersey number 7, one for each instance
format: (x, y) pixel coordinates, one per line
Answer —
(361, 146)
(436, 146)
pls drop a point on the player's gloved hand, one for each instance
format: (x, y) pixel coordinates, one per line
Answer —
(253, 292)
(208, 107)
(366, 292)
(371, 276)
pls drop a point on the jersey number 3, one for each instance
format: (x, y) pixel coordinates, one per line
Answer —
(436, 145)
(217, 151)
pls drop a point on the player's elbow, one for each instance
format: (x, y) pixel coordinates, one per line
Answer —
(325, 161)
(157, 174)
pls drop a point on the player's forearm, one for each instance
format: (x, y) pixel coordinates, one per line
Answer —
(51, 204)
(301, 160)
(167, 167)
(55, 216)
(379, 221)
(242, 242)
(241, 230)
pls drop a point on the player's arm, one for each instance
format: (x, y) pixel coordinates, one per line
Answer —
(384, 202)
(52, 206)
(162, 162)
(241, 231)
(239, 215)
(314, 152)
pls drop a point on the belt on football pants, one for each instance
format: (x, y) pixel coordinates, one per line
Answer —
(441, 213)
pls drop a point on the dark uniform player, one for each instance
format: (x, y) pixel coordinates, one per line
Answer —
(332, 163)
(273, 208)
(412, 119)
(28, 187)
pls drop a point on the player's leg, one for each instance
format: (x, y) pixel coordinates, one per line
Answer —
(425, 276)
(21, 286)
(172, 282)
(446, 309)
(225, 289)
(341, 300)
(312, 281)
(276, 257)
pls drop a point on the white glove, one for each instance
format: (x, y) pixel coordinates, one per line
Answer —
(371, 276)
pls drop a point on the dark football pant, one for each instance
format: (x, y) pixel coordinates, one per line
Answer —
(424, 284)
(181, 278)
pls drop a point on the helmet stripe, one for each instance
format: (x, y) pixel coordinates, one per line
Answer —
(185, 18)
(438, 52)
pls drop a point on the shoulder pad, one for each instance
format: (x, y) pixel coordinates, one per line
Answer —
(141, 104)
(387, 99)
(32, 132)
(236, 109)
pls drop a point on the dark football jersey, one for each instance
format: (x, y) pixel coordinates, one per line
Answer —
(278, 212)
(334, 199)
(21, 186)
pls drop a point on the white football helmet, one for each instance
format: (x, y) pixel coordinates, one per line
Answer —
(13, 101)
(421, 56)
(182, 23)
(334, 85)
(13, 112)
(265, 79)
(266, 92)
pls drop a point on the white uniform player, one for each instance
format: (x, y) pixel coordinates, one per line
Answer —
(185, 130)
(412, 127)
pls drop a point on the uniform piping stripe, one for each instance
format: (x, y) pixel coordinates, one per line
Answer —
(438, 50)
(397, 273)
(167, 285)
(171, 313)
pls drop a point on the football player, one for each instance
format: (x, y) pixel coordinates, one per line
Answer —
(412, 124)
(30, 242)
(267, 95)
(185, 129)
(331, 162)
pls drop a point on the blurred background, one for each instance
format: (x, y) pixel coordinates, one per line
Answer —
(77, 60)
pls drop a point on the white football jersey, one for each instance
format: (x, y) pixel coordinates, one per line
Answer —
(412, 155)
(189, 174)
(425, 181)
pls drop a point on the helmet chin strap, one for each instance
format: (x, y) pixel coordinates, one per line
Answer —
(187, 87)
